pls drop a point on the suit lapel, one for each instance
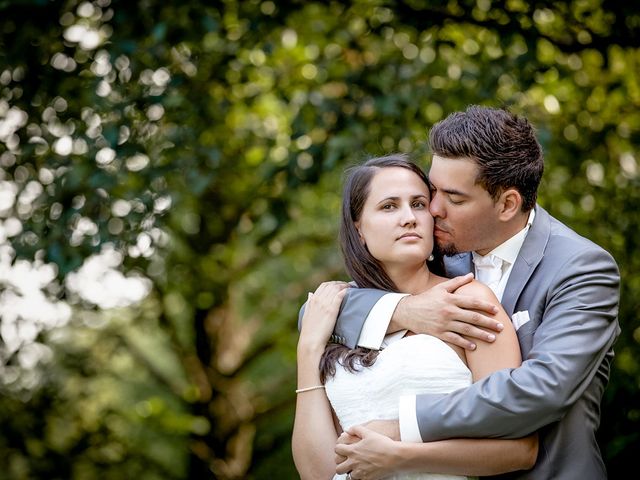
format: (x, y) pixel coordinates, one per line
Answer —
(528, 258)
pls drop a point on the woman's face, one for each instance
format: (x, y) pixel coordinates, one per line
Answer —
(395, 223)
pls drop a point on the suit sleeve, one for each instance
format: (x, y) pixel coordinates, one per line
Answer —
(578, 329)
(355, 309)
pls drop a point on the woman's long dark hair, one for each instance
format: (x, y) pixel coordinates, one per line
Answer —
(364, 269)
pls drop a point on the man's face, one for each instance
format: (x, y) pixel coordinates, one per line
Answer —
(465, 215)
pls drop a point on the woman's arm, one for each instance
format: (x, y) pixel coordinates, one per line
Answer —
(314, 433)
(494, 455)
(504, 352)
(487, 456)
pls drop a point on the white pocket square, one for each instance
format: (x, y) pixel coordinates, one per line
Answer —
(519, 319)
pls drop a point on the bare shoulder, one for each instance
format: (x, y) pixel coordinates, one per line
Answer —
(477, 289)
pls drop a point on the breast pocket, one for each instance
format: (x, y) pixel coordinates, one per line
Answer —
(525, 328)
(520, 318)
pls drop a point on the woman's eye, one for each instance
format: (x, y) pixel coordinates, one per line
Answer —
(387, 206)
(419, 205)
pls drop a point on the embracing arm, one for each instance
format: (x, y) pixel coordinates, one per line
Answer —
(367, 315)
(578, 328)
(372, 454)
(466, 456)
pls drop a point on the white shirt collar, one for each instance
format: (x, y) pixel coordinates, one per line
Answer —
(508, 251)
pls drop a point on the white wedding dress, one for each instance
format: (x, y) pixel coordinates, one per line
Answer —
(411, 365)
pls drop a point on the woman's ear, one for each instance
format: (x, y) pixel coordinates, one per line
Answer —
(357, 225)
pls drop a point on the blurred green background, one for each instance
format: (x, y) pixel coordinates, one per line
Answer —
(169, 191)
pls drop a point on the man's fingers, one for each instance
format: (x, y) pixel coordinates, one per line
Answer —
(339, 459)
(455, 283)
(471, 303)
(472, 332)
(473, 322)
(456, 339)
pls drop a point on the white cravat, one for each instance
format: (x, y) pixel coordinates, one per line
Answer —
(488, 270)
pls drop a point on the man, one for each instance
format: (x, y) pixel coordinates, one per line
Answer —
(560, 289)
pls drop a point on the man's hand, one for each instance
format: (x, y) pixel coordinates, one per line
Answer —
(447, 315)
(366, 453)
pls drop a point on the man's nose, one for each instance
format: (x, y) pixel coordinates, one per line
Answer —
(435, 207)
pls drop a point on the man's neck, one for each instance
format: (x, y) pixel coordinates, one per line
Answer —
(515, 226)
(512, 228)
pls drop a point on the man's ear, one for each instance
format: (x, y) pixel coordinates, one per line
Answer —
(509, 204)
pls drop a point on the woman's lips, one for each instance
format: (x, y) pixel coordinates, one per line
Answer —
(409, 235)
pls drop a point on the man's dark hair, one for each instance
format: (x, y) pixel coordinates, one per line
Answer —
(503, 145)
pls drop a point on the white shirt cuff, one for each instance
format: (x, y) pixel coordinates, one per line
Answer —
(392, 338)
(377, 322)
(409, 431)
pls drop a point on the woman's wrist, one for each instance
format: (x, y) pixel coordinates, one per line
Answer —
(310, 349)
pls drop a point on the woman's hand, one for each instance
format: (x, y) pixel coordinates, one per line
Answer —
(321, 313)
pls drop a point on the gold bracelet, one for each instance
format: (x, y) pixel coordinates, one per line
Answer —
(308, 389)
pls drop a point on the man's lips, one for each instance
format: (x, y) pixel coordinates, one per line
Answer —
(438, 230)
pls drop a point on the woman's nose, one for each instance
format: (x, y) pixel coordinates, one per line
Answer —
(408, 216)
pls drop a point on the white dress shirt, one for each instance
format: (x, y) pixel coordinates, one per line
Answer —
(488, 269)
(508, 252)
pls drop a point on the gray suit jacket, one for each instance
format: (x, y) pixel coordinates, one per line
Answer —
(570, 288)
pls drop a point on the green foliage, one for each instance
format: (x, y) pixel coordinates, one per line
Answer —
(205, 142)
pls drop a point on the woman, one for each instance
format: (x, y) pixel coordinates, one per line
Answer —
(386, 236)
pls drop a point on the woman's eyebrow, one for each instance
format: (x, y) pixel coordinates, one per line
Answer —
(386, 199)
(395, 199)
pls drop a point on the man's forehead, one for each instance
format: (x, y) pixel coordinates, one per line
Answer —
(453, 172)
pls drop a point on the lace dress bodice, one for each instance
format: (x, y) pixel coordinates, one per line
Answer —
(411, 365)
